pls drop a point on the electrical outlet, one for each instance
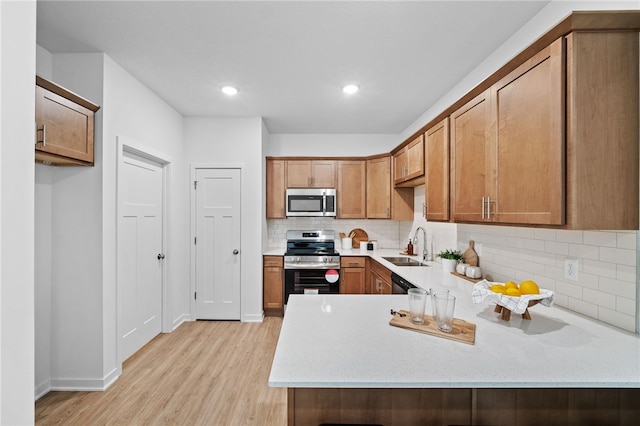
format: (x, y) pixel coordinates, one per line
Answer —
(571, 269)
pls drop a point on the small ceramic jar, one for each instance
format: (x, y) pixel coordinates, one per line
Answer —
(461, 268)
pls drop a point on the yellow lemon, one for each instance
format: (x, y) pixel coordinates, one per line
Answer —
(498, 288)
(529, 287)
(510, 284)
(513, 292)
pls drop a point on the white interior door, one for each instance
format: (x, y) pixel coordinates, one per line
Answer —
(218, 244)
(140, 256)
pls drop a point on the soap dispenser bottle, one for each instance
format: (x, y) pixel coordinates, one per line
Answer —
(410, 248)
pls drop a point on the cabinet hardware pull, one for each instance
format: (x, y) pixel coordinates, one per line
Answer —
(424, 210)
(488, 207)
(482, 208)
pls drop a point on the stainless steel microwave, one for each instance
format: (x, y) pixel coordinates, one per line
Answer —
(311, 202)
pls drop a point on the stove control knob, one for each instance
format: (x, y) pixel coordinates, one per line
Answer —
(325, 259)
(298, 259)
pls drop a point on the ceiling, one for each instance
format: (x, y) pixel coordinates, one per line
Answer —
(290, 59)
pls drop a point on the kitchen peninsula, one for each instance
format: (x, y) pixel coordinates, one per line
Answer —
(343, 363)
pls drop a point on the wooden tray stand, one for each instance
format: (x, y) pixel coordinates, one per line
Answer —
(505, 314)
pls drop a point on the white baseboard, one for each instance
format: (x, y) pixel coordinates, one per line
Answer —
(84, 384)
(42, 389)
(254, 317)
(179, 321)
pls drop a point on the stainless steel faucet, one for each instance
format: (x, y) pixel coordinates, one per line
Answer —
(425, 252)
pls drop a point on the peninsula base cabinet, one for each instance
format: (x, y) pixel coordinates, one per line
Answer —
(464, 406)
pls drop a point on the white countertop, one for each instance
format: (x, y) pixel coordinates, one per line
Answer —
(346, 341)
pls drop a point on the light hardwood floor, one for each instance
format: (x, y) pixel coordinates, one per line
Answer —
(204, 373)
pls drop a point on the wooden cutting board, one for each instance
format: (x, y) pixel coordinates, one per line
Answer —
(358, 235)
(463, 331)
(470, 256)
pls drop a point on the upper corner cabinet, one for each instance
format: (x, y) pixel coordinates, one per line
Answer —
(408, 164)
(64, 126)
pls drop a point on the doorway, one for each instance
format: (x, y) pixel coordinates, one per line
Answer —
(218, 253)
(140, 247)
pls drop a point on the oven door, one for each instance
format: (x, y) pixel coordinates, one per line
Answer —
(324, 281)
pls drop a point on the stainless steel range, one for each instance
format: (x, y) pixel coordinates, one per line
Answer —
(311, 263)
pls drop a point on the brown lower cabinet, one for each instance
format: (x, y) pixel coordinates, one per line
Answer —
(353, 274)
(486, 406)
(273, 285)
(379, 279)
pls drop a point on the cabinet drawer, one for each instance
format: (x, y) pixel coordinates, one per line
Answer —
(353, 262)
(273, 261)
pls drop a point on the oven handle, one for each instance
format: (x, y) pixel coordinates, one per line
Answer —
(318, 266)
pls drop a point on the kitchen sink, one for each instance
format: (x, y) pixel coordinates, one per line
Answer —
(404, 261)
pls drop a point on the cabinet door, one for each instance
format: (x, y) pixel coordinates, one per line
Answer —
(323, 174)
(352, 189)
(276, 188)
(65, 129)
(529, 110)
(415, 158)
(471, 169)
(352, 280)
(436, 162)
(273, 285)
(298, 174)
(400, 164)
(379, 188)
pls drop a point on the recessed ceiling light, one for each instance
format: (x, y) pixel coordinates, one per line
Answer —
(350, 89)
(229, 90)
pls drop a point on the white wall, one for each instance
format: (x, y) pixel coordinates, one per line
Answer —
(76, 345)
(131, 110)
(327, 145)
(17, 69)
(237, 141)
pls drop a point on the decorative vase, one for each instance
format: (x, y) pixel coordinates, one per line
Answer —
(449, 265)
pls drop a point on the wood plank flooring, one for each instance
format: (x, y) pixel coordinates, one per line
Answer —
(204, 373)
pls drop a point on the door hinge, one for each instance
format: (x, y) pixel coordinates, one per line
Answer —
(195, 240)
(195, 295)
(195, 184)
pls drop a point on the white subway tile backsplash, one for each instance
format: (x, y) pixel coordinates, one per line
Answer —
(599, 298)
(625, 306)
(603, 269)
(544, 234)
(574, 237)
(584, 251)
(626, 322)
(582, 307)
(626, 240)
(626, 273)
(556, 248)
(618, 288)
(600, 238)
(607, 286)
(616, 255)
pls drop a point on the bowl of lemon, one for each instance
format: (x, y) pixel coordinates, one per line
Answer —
(512, 297)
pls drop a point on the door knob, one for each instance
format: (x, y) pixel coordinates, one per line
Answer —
(160, 256)
(236, 251)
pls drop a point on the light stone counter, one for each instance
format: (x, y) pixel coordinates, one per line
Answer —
(345, 341)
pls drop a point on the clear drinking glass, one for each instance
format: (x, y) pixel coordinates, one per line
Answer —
(432, 292)
(445, 305)
(417, 303)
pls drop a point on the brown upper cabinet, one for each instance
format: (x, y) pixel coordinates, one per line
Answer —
(311, 174)
(408, 164)
(436, 176)
(351, 194)
(276, 188)
(603, 129)
(508, 147)
(64, 126)
(383, 200)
